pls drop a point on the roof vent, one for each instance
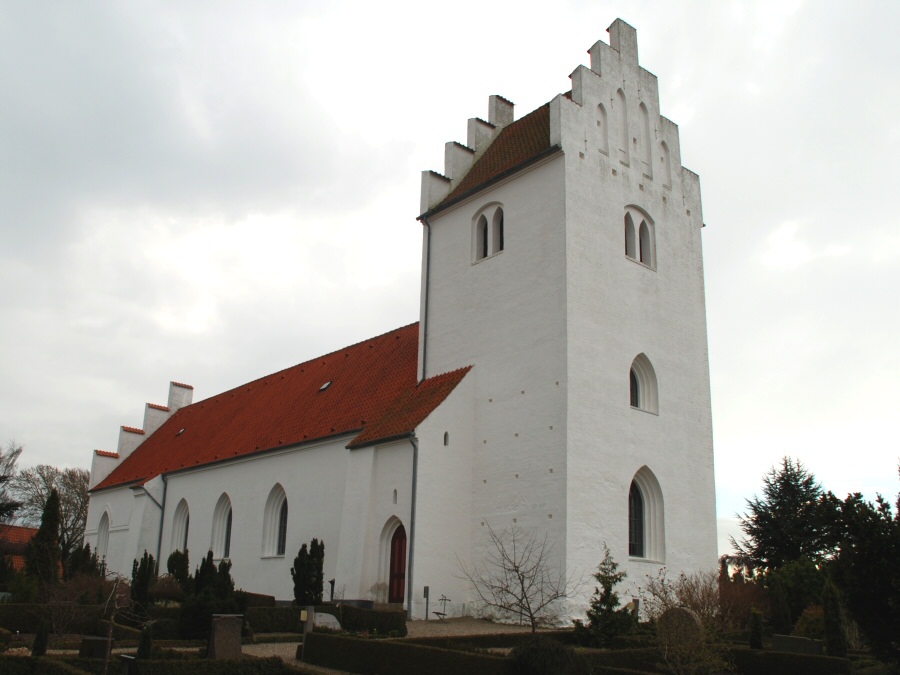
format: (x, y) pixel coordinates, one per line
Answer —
(325, 386)
(180, 432)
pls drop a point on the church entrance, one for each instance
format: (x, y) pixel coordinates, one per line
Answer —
(397, 578)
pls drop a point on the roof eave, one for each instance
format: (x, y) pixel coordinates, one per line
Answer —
(553, 149)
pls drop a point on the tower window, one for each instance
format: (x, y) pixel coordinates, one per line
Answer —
(488, 236)
(635, 521)
(644, 392)
(640, 237)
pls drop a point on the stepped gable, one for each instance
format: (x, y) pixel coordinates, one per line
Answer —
(517, 144)
(339, 393)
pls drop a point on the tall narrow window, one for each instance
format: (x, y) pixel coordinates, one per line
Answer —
(646, 248)
(482, 238)
(227, 535)
(497, 231)
(220, 541)
(635, 522)
(275, 520)
(282, 529)
(646, 517)
(630, 247)
(103, 537)
(181, 523)
(643, 385)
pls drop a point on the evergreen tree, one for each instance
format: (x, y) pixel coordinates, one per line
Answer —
(42, 553)
(835, 635)
(301, 574)
(205, 576)
(756, 629)
(781, 611)
(606, 619)
(317, 563)
(142, 575)
(82, 562)
(41, 638)
(179, 566)
(792, 519)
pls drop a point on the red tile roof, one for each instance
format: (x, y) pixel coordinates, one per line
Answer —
(107, 453)
(13, 539)
(157, 406)
(372, 390)
(410, 408)
(133, 430)
(515, 147)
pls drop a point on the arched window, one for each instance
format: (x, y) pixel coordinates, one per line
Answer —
(282, 529)
(622, 126)
(275, 520)
(181, 524)
(646, 248)
(630, 248)
(646, 531)
(643, 385)
(635, 522)
(603, 128)
(497, 231)
(446, 438)
(488, 236)
(103, 537)
(220, 541)
(640, 236)
(482, 238)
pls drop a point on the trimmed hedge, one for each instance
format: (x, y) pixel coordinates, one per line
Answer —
(756, 662)
(48, 665)
(358, 620)
(395, 656)
(274, 619)
(27, 618)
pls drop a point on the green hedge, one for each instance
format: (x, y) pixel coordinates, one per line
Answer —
(27, 618)
(358, 655)
(274, 619)
(358, 620)
(757, 662)
(44, 665)
(48, 665)
(481, 641)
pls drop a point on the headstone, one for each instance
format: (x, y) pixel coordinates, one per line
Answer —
(679, 626)
(327, 620)
(225, 636)
(127, 664)
(94, 647)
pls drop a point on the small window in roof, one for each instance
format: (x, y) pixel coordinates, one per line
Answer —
(325, 386)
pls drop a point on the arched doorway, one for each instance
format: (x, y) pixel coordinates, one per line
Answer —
(397, 569)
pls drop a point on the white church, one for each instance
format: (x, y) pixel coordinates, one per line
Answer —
(557, 381)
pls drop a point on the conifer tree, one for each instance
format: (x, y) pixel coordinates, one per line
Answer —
(835, 635)
(42, 555)
(300, 573)
(605, 618)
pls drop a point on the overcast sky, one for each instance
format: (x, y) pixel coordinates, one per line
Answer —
(210, 192)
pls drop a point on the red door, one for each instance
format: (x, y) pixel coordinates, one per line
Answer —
(397, 584)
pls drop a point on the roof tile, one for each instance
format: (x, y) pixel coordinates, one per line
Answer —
(372, 380)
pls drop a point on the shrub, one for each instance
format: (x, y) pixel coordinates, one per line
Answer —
(39, 646)
(756, 629)
(356, 619)
(811, 623)
(178, 565)
(605, 619)
(307, 574)
(835, 635)
(165, 589)
(145, 646)
(142, 575)
(274, 619)
(542, 655)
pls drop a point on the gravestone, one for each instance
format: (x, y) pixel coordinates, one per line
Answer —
(225, 636)
(679, 626)
(93, 647)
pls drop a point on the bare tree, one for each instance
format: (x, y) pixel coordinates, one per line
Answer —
(32, 487)
(520, 576)
(8, 503)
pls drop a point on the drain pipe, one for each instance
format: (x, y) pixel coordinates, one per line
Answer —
(423, 327)
(412, 528)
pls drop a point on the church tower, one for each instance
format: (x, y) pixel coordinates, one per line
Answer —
(562, 259)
